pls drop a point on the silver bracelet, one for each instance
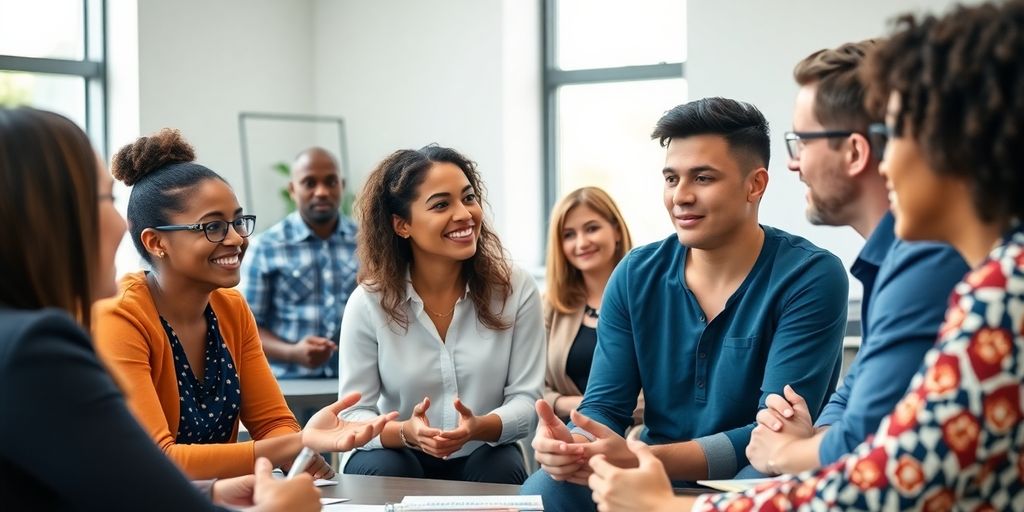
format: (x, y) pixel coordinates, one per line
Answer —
(401, 435)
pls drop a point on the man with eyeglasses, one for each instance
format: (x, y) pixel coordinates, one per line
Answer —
(301, 272)
(835, 150)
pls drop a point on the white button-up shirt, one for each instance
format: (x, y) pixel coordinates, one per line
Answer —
(492, 372)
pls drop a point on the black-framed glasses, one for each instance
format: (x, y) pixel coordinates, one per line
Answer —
(793, 139)
(879, 135)
(216, 230)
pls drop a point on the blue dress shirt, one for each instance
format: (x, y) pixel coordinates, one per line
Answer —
(906, 292)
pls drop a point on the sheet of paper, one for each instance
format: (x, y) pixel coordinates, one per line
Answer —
(331, 501)
(739, 485)
(321, 482)
(345, 507)
(532, 502)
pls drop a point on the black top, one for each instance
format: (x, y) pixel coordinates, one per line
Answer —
(67, 440)
(581, 354)
(208, 408)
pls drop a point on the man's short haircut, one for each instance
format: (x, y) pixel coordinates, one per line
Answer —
(741, 124)
(839, 100)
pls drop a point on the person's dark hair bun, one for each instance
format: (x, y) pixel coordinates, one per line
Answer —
(134, 161)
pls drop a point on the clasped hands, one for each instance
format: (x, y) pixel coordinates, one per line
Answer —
(784, 420)
(418, 434)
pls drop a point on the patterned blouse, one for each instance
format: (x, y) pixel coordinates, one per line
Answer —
(955, 440)
(208, 408)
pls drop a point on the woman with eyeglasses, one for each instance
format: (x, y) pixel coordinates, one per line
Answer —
(67, 440)
(951, 90)
(181, 341)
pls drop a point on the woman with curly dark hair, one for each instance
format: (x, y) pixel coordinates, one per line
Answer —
(952, 91)
(442, 328)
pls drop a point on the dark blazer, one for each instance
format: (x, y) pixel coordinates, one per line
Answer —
(67, 440)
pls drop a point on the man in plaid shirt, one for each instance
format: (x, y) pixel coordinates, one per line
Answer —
(301, 272)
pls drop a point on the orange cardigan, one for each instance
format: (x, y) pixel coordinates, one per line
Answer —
(134, 346)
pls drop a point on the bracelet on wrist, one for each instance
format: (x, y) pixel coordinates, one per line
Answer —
(401, 435)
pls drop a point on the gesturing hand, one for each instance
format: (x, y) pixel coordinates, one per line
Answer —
(643, 489)
(327, 432)
(418, 432)
(557, 452)
(450, 441)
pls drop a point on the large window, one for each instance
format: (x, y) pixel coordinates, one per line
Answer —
(612, 68)
(52, 57)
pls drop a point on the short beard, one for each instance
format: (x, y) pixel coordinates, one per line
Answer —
(320, 218)
(826, 212)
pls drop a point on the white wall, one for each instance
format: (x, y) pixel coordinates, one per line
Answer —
(201, 63)
(462, 73)
(746, 49)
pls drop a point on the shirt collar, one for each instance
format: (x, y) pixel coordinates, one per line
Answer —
(411, 295)
(298, 231)
(876, 247)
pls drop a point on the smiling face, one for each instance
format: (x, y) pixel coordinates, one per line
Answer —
(190, 254)
(445, 217)
(709, 195)
(920, 199)
(589, 240)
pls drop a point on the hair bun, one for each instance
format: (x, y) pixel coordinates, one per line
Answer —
(134, 161)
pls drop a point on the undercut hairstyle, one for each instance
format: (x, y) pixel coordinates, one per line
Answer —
(741, 124)
(162, 173)
(49, 244)
(385, 257)
(839, 98)
(960, 79)
(566, 291)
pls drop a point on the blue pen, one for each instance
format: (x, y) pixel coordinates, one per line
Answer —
(301, 461)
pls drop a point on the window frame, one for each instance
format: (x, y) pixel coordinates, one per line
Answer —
(92, 68)
(554, 78)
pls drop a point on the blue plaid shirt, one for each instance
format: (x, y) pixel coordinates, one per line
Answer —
(297, 284)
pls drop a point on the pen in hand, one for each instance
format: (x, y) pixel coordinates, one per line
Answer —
(301, 461)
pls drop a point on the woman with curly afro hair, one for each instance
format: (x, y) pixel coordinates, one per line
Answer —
(952, 92)
(442, 328)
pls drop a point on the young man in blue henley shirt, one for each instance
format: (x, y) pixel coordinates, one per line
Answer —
(707, 322)
(906, 285)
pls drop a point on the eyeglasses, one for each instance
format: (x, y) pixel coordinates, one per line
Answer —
(216, 231)
(879, 135)
(794, 139)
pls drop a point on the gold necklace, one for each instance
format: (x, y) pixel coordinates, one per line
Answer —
(439, 315)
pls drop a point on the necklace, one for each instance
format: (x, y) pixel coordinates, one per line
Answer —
(591, 312)
(438, 315)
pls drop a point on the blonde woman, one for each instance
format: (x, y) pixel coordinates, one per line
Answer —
(587, 238)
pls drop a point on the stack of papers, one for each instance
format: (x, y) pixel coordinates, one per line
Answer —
(424, 503)
(739, 485)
